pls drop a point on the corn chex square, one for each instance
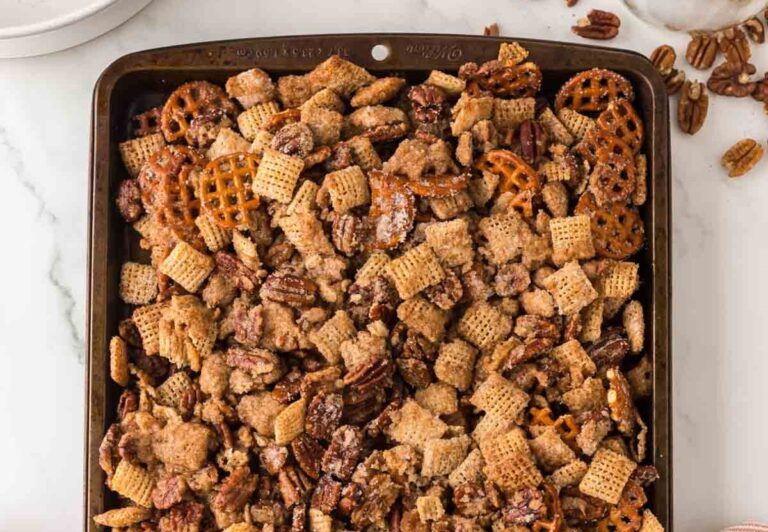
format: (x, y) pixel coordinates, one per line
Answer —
(591, 395)
(452, 85)
(364, 154)
(214, 236)
(250, 121)
(136, 152)
(607, 475)
(500, 398)
(423, 317)
(621, 280)
(572, 356)
(375, 265)
(147, 321)
(414, 425)
(277, 175)
(290, 422)
(455, 364)
(571, 239)
(415, 270)
(578, 124)
(441, 457)
(484, 326)
(304, 199)
(430, 508)
(348, 188)
(551, 451)
(571, 288)
(439, 398)
(568, 475)
(450, 241)
(509, 462)
(509, 114)
(226, 143)
(650, 522)
(504, 234)
(187, 266)
(512, 53)
(133, 482)
(334, 332)
(470, 470)
(138, 283)
(556, 130)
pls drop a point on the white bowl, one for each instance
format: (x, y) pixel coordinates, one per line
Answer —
(687, 15)
(35, 27)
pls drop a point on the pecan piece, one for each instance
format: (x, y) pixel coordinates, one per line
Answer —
(645, 475)
(532, 141)
(701, 51)
(447, 292)
(692, 107)
(262, 365)
(235, 271)
(491, 30)
(609, 350)
(168, 492)
(273, 458)
(511, 279)
(294, 139)
(531, 349)
(734, 46)
(289, 388)
(299, 518)
(327, 495)
(348, 233)
(187, 515)
(663, 59)
(128, 402)
(428, 103)
(235, 490)
(471, 500)
(323, 415)
(308, 454)
(742, 157)
(524, 507)
(108, 453)
(293, 484)
(414, 372)
(731, 79)
(291, 290)
(351, 497)
(342, 455)
(128, 331)
(372, 299)
(530, 326)
(598, 24)
(674, 81)
(755, 29)
(129, 200)
(341, 157)
(247, 323)
(368, 379)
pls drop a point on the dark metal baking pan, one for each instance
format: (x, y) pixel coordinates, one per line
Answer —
(138, 81)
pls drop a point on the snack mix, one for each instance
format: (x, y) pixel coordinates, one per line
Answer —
(368, 304)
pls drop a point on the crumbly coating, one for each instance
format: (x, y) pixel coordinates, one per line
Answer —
(299, 370)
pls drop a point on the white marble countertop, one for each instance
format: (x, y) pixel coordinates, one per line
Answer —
(719, 352)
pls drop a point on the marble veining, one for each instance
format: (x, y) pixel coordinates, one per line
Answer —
(720, 357)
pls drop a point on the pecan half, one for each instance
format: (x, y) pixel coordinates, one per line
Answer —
(428, 103)
(168, 492)
(341, 157)
(609, 350)
(291, 290)
(491, 30)
(323, 415)
(734, 46)
(692, 107)
(742, 157)
(348, 233)
(327, 495)
(701, 51)
(471, 500)
(368, 379)
(533, 141)
(755, 29)
(447, 292)
(235, 490)
(247, 323)
(128, 402)
(414, 372)
(674, 81)
(598, 24)
(294, 139)
(235, 271)
(663, 59)
(531, 349)
(645, 475)
(293, 484)
(511, 279)
(260, 364)
(308, 454)
(342, 455)
(732, 79)
(129, 200)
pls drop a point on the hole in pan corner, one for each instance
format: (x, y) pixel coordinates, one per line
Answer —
(380, 52)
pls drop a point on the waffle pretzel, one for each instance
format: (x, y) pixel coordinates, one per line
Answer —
(226, 189)
(598, 143)
(518, 81)
(439, 186)
(278, 120)
(625, 516)
(166, 188)
(613, 179)
(146, 123)
(188, 102)
(621, 119)
(593, 90)
(516, 175)
(617, 229)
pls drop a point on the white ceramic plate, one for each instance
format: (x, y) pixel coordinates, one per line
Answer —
(35, 27)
